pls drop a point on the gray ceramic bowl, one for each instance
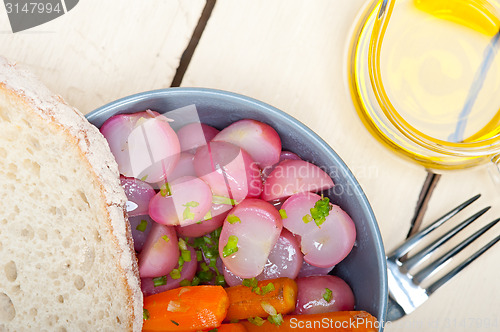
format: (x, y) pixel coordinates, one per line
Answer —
(365, 268)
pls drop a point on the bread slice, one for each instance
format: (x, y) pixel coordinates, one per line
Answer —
(66, 253)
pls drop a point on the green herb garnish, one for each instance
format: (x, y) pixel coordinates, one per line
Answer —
(185, 282)
(182, 244)
(283, 214)
(142, 226)
(231, 247)
(165, 190)
(307, 219)
(160, 281)
(187, 214)
(199, 256)
(268, 288)
(321, 210)
(232, 219)
(173, 321)
(219, 280)
(145, 314)
(186, 255)
(207, 216)
(175, 274)
(195, 281)
(250, 282)
(275, 319)
(256, 321)
(223, 200)
(144, 178)
(327, 295)
(165, 238)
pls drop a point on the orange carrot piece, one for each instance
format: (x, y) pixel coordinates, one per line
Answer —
(345, 321)
(185, 309)
(232, 327)
(244, 303)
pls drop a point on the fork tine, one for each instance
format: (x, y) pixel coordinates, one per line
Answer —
(435, 266)
(413, 240)
(424, 253)
(432, 288)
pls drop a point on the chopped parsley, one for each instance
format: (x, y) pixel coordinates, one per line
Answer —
(165, 190)
(160, 281)
(275, 319)
(268, 288)
(223, 200)
(283, 214)
(256, 321)
(175, 274)
(165, 238)
(250, 282)
(144, 178)
(187, 214)
(173, 321)
(231, 247)
(321, 210)
(327, 295)
(145, 314)
(142, 226)
(232, 219)
(307, 219)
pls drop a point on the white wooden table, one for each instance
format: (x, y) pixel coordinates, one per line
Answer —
(290, 54)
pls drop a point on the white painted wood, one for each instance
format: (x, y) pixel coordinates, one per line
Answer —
(103, 50)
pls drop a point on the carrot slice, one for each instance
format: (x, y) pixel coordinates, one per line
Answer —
(245, 302)
(185, 308)
(345, 321)
(233, 327)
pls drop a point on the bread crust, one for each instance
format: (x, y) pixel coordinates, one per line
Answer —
(24, 86)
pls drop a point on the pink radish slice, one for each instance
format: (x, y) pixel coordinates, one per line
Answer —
(206, 226)
(256, 233)
(285, 155)
(296, 207)
(143, 144)
(295, 176)
(141, 227)
(327, 244)
(187, 272)
(160, 253)
(194, 135)
(139, 194)
(184, 167)
(285, 260)
(308, 270)
(311, 290)
(229, 171)
(260, 140)
(190, 200)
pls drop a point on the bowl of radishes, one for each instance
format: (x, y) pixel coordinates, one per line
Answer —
(226, 190)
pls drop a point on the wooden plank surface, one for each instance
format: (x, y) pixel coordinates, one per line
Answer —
(292, 55)
(103, 50)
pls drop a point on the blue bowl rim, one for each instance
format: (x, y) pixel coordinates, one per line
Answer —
(373, 226)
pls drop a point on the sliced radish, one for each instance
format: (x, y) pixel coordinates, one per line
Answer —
(139, 193)
(248, 235)
(295, 176)
(194, 135)
(143, 144)
(260, 140)
(285, 260)
(229, 170)
(189, 200)
(187, 272)
(201, 228)
(313, 293)
(308, 270)
(141, 227)
(160, 253)
(328, 245)
(324, 245)
(184, 167)
(285, 155)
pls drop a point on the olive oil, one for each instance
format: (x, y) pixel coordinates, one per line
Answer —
(437, 71)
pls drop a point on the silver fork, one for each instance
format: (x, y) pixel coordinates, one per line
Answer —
(405, 290)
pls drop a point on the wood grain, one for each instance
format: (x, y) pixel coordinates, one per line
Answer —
(104, 50)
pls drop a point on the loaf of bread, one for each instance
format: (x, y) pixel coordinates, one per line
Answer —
(66, 253)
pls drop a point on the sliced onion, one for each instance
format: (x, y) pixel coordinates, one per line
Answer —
(143, 144)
